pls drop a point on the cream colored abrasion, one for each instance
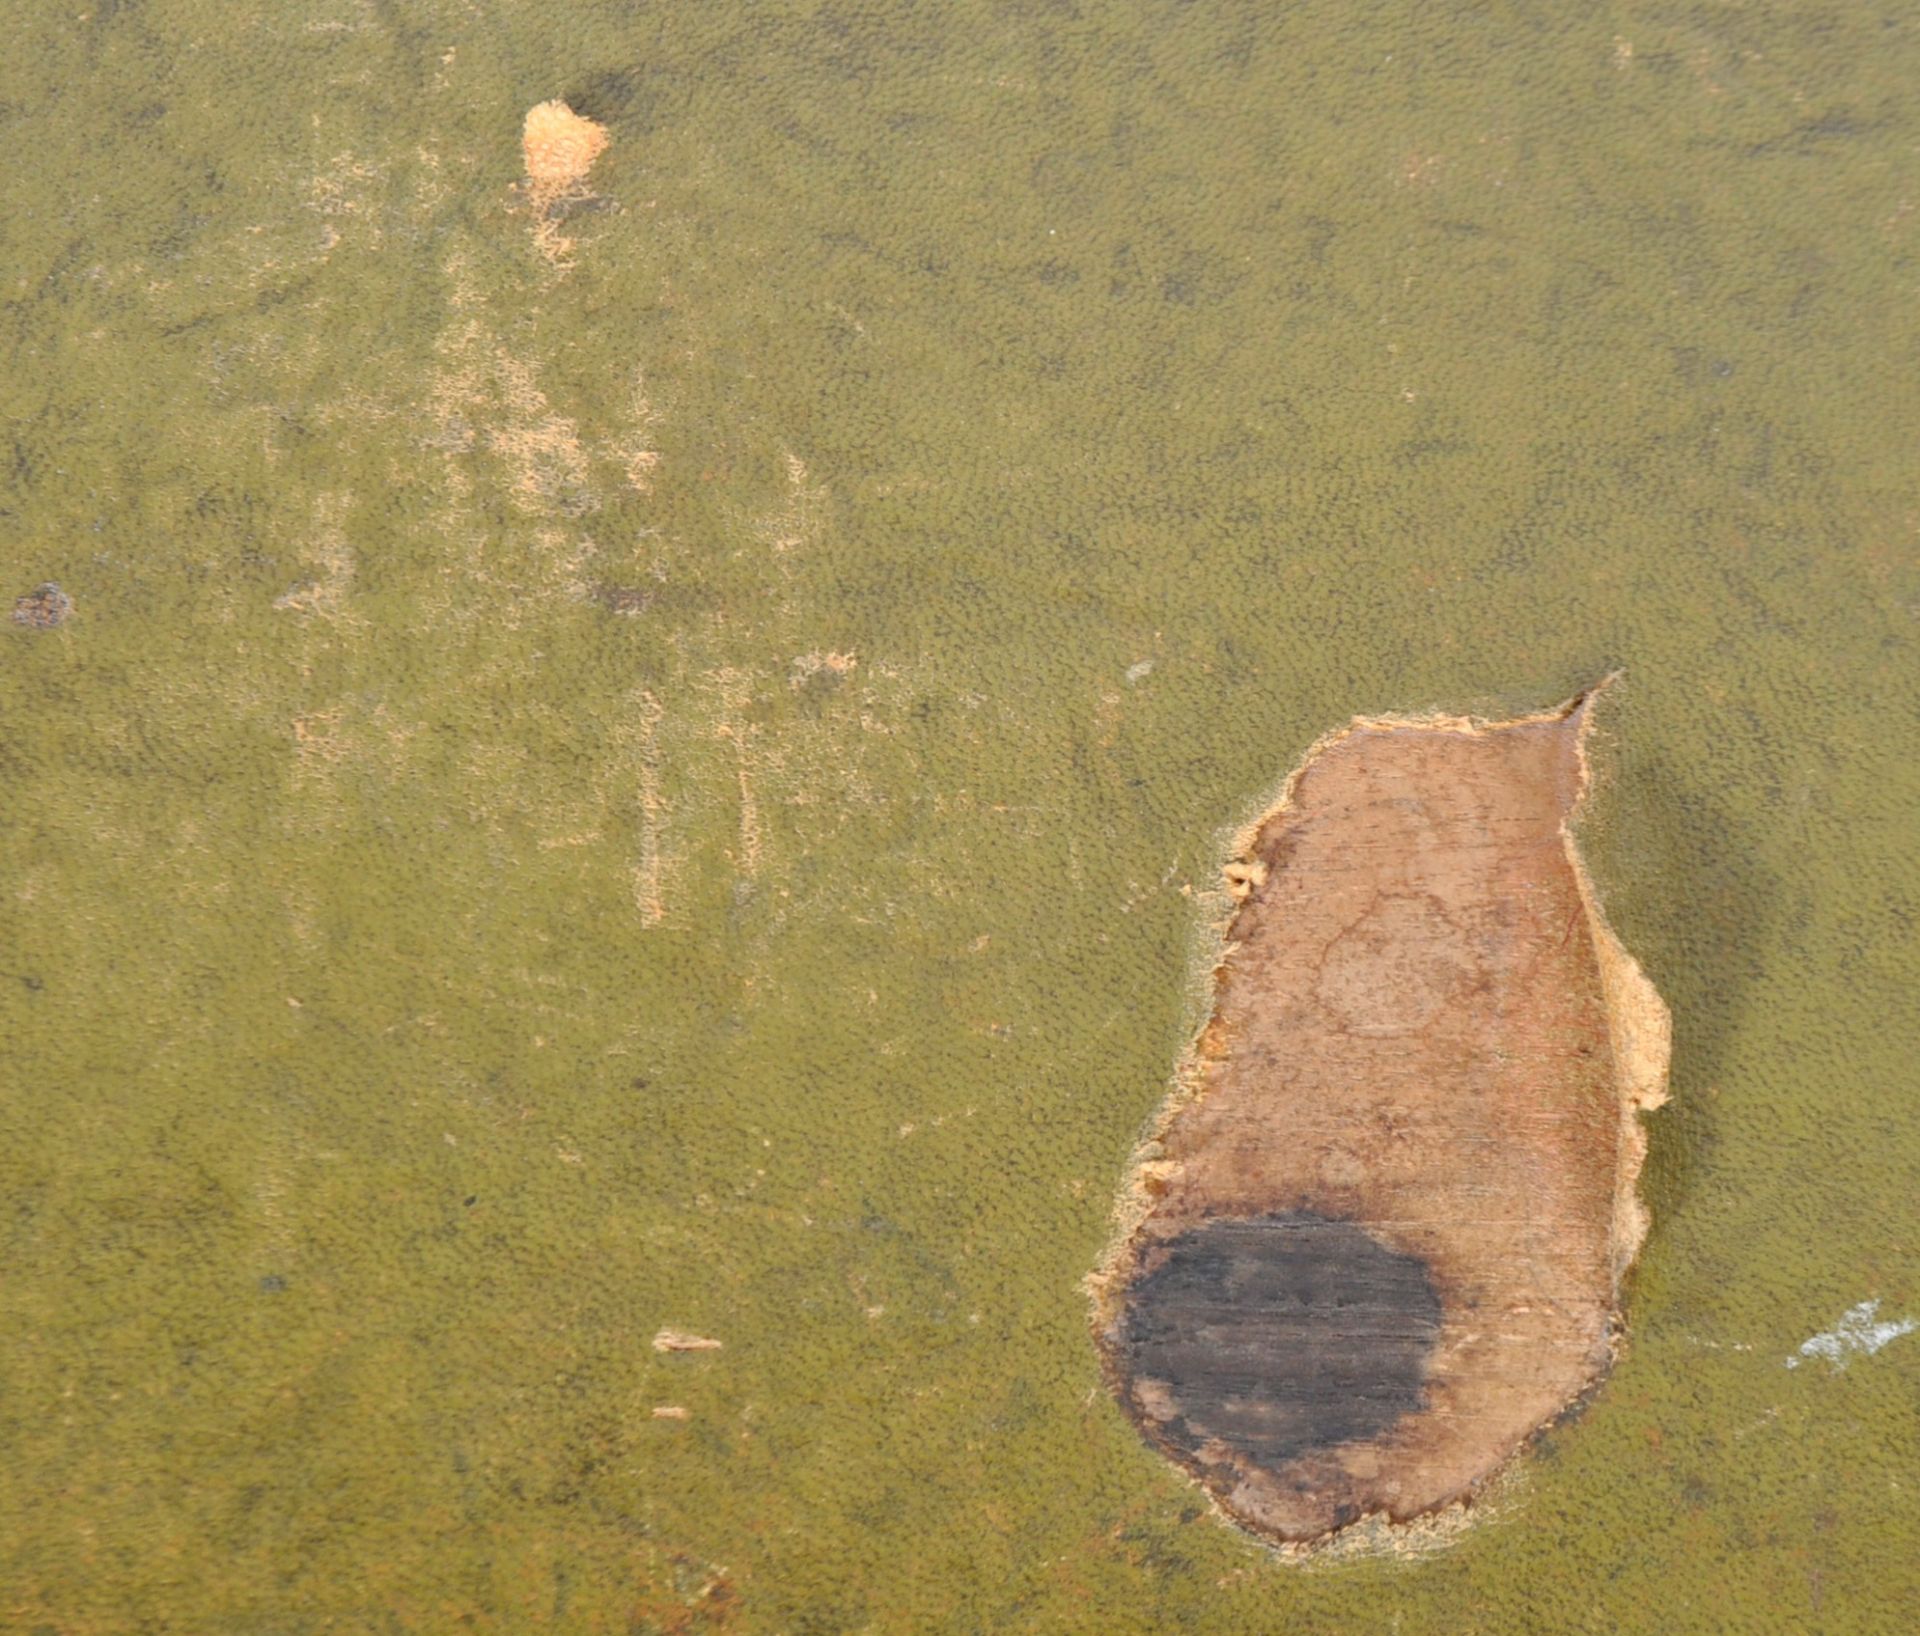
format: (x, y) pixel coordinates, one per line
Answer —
(560, 146)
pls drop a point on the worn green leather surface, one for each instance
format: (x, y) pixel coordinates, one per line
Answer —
(678, 785)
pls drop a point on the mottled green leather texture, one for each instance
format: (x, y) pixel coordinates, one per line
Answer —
(671, 775)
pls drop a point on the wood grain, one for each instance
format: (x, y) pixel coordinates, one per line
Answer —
(1376, 1242)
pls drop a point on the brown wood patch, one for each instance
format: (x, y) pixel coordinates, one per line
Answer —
(1377, 1239)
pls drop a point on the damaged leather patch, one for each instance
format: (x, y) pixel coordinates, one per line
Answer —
(1377, 1238)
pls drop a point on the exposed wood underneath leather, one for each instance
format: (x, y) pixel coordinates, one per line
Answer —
(1383, 1231)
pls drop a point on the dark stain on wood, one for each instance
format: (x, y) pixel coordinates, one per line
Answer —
(1277, 1335)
